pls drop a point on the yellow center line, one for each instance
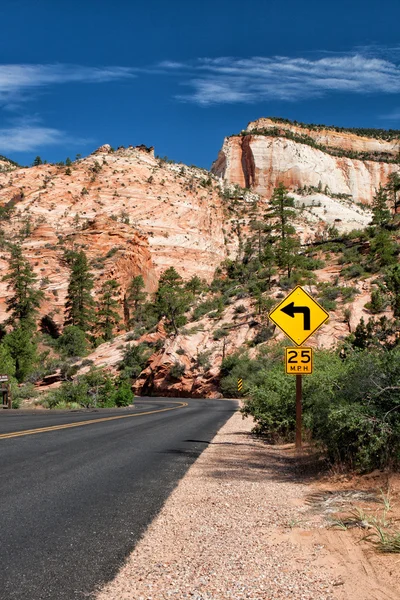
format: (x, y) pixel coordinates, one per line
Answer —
(88, 422)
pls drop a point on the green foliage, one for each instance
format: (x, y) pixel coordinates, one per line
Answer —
(72, 342)
(7, 362)
(172, 299)
(378, 301)
(351, 406)
(25, 300)
(134, 300)
(123, 395)
(79, 303)
(134, 360)
(205, 307)
(37, 161)
(107, 309)
(94, 389)
(21, 345)
(240, 366)
(392, 281)
(177, 370)
(381, 213)
(203, 360)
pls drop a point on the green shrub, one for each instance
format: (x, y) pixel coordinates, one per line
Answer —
(177, 371)
(204, 308)
(123, 396)
(351, 406)
(72, 342)
(378, 302)
(134, 360)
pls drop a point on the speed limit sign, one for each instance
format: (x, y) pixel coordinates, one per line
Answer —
(298, 361)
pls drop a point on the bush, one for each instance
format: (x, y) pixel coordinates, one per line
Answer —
(72, 342)
(123, 396)
(204, 308)
(351, 406)
(134, 361)
(177, 371)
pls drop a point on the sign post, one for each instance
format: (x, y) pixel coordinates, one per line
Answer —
(299, 316)
(5, 390)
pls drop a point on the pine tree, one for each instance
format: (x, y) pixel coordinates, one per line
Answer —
(172, 299)
(79, 303)
(280, 210)
(392, 281)
(107, 315)
(287, 253)
(134, 297)
(380, 211)
(21, 344)
(25, 301)
(393, 186)
(38, 161)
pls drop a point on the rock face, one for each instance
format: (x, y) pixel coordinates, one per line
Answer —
(131, 212)
(260, 162)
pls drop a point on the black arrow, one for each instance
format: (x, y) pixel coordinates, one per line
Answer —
(291, 310)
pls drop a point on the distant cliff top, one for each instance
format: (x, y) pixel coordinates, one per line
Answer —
(378, 134)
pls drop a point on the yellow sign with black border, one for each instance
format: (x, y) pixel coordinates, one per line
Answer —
(299, 315)
(299, 361)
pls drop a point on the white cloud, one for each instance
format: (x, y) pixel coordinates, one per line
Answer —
(26, 138)
(17, 79)
(230, 80)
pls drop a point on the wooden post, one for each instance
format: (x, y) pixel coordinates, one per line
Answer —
(298, 411)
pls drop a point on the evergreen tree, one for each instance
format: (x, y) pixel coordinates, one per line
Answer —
(392, 281)
(22, 346)
(393, 186)
(25, 301)
(38, 161)
(68, 162)
(281, 211)
(195, 285)
(107, 314)
(134, 297)
(79, 303)
(380, 211)
(287, 253)
(172, 299)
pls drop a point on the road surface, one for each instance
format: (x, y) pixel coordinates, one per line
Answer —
(75, 499)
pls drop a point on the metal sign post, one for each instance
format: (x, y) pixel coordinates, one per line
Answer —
(299, 401)
(298, 316)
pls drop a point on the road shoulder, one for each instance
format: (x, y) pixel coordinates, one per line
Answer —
(238, 526)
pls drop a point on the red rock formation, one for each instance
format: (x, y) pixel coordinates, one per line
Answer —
(260, 162)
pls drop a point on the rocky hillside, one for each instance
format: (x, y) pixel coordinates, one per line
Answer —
(132, 213)
(333, 161)
(136, 214)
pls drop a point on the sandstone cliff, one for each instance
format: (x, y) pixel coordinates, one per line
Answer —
(133, 214)
(269, 152)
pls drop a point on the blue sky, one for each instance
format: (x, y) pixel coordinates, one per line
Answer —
(181, 75)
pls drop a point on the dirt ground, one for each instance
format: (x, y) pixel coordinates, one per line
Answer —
(253, 521)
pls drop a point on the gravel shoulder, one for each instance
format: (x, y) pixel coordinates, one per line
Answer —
(238, 526)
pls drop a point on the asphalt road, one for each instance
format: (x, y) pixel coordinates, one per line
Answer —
(75, 500)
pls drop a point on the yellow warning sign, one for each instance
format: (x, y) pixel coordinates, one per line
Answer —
(299, 361)
(299, 315)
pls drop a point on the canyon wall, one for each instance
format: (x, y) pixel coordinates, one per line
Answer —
(131, 212)
(260, 161)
